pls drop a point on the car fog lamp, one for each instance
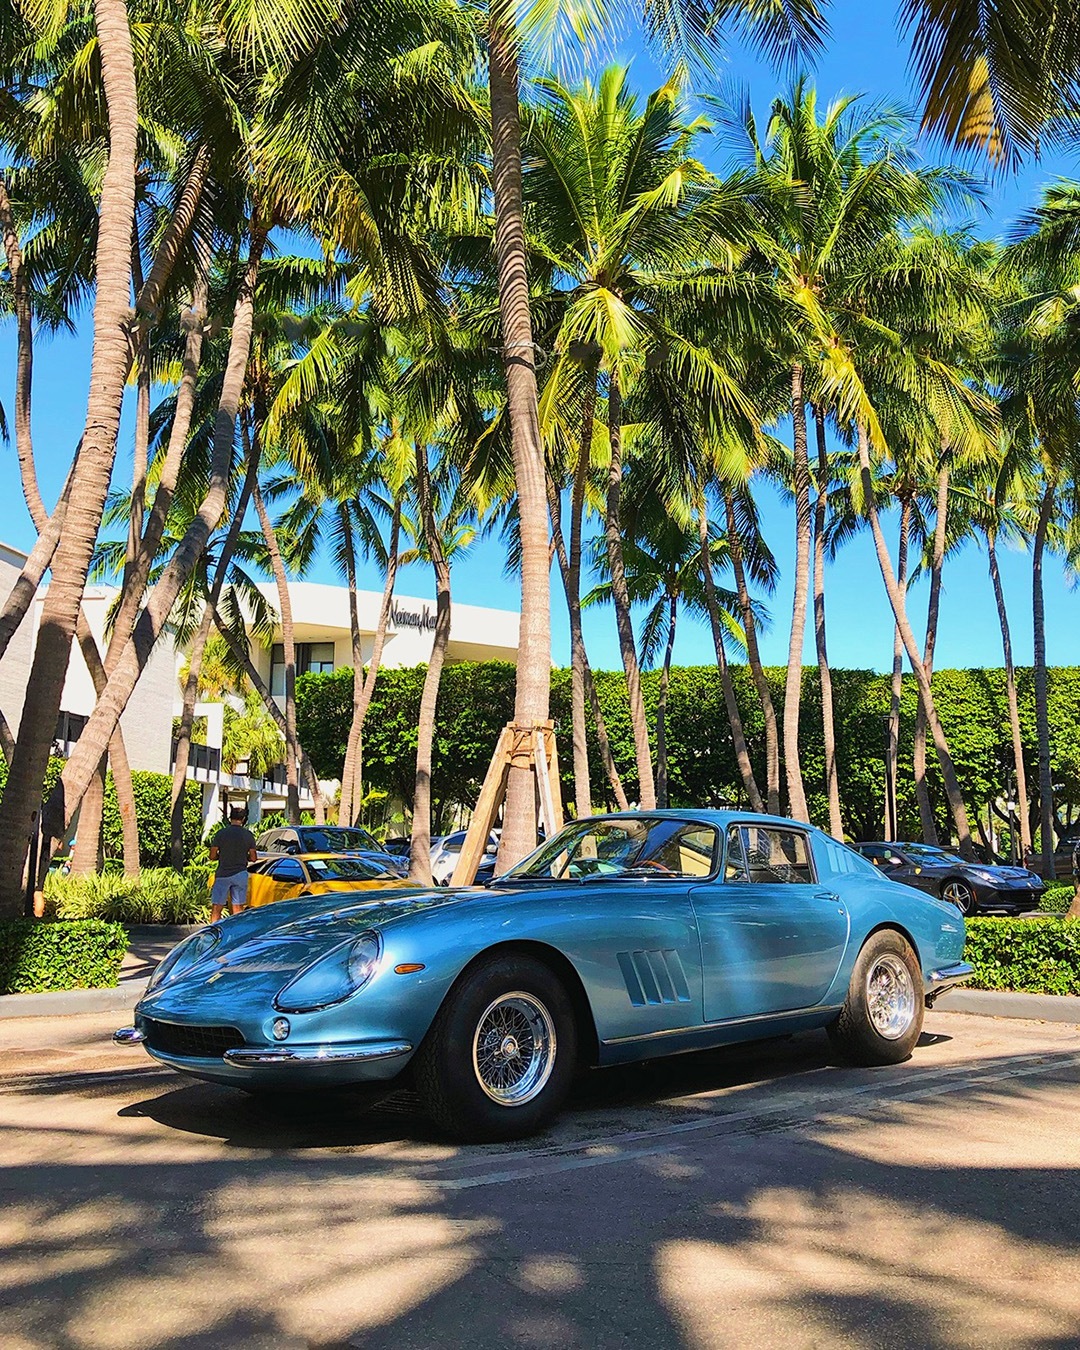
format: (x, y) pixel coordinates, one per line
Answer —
(281, 1028)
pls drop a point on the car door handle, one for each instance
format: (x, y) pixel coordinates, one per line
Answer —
(827, 895)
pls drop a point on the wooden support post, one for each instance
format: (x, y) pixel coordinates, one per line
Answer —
(525, 747)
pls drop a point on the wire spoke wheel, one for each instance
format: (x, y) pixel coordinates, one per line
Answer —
(514, 1049)
(890, 996)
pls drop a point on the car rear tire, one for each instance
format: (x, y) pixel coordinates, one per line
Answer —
(882, 1017)
(501, 1054)
(961, 895)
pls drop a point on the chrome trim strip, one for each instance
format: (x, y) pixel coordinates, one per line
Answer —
(313, 1054)
(128, 1036)
(939, 981)
(724, 1022)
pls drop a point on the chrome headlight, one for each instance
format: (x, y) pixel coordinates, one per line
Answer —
(981, 874)
(188, 953)
(332, 977)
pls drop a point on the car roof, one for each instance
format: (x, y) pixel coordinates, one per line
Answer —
(709, 815)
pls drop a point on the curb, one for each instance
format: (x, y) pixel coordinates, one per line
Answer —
(1028, 1007)
(68, 1002)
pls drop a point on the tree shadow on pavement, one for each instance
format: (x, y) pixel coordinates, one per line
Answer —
(875, 1214)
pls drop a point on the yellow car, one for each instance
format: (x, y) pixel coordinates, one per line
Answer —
(289, 878)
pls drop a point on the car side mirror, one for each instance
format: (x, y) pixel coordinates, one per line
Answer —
(896, 862)
(292, 849)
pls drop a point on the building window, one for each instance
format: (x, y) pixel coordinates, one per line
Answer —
(312, 658)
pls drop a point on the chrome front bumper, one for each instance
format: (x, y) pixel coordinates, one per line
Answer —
(313, 1055)
(938, 981)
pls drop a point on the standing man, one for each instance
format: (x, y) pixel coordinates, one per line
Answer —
(233, 850)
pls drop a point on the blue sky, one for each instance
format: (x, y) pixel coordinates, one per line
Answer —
(865, 56)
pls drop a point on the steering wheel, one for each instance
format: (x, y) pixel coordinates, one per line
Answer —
(652, 862)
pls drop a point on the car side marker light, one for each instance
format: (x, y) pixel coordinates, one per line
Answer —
(409, 968)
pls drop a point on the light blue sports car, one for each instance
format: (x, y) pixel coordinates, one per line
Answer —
(626, 937)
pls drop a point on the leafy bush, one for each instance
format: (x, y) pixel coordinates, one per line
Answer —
(1031, 956)
(37, 957)
(153, 815)
(1057, 899)
(160, 895)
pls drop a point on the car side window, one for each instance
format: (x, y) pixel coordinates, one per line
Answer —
(690, 852)
(735, 868)
(287, 870)
(775, 854)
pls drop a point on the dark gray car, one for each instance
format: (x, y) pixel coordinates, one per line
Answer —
(973, 886)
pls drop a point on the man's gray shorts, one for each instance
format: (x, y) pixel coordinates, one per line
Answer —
(230, 890)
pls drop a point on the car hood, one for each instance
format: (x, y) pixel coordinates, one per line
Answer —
(1004, 873)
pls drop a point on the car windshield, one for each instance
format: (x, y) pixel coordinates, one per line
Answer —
(338, 839)
(927, 853)
(598, 850)
(344, 869)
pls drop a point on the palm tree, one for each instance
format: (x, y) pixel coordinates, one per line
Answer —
(824, 191)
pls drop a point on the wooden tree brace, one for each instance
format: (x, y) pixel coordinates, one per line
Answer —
(519, 747)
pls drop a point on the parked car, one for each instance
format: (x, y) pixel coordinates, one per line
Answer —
(277, 878)
(446, 850)
(974, 886)
(349, 840)
(623, 938)
(1063, 857)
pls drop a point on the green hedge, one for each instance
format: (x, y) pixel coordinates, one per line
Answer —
(1030, 956)
(477, 699)
(1057, 899)
(160, 895)
(37, 957)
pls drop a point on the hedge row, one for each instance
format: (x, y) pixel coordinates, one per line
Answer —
(1029, 956)
(153, 813)
(36, 957)
(477, 699)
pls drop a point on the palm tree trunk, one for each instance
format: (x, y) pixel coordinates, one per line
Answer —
(603, 740)
(1042, 707)
(892, 740)
(288, 640)
(828, 725)
(898, 600)
(152, 619)
(142, 422)
(922, 790)
(661, 706)
(620, 595)
(88, 856)
(797, 808)
(362, 697)
(738, 737)
(753, 656)
(24, 360)
(570, 568)
(183, 737)
(191, 685)
(420, 847)
(90, 482)
(37, 564)
(531, 702)
(1010, 694)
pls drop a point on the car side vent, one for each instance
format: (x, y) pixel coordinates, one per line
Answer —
(654, 977)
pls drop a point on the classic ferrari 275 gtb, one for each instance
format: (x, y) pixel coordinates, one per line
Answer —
(625, 937)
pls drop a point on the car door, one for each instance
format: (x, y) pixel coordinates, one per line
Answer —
(772, 936)
(282, 880)
(913, 871)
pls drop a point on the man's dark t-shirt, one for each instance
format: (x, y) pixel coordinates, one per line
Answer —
(233, 844)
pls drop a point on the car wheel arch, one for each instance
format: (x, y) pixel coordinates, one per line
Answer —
(565, 971)
(892, 927)
(954, 877)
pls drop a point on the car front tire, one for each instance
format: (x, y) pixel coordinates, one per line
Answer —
(960, 894)
(882, 1017)
(501, 1054)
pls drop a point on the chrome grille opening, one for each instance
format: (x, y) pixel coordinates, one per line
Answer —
(195, 1042)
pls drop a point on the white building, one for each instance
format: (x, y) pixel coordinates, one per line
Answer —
(322, 633)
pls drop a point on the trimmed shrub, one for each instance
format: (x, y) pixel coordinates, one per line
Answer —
(1057, 899)
(1030, 956)
(153, 814)
(37, 957)
(160, 895)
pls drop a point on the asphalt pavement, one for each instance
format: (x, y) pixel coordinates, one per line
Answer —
(756, 1197)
